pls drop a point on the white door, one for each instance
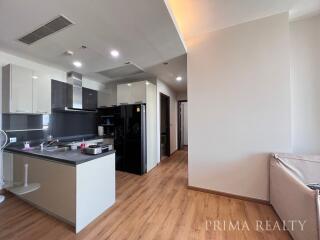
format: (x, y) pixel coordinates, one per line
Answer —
(181, 125)
(184, 124)
(41, 93)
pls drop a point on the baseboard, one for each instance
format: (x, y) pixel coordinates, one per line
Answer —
(230, 195)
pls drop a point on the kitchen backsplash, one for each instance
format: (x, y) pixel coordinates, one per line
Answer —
(30, 127)
(66, 124)
(26, 127)
(24, 121)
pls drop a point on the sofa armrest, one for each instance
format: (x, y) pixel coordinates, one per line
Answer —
(305, 167)
(293, 200)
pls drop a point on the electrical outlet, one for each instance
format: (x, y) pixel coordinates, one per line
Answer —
(13, 140)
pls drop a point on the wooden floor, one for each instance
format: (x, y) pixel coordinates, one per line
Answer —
(157, 205)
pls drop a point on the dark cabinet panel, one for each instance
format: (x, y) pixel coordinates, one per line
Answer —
(59, 94)
(89, 98)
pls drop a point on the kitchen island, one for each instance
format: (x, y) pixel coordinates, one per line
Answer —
(74, 187)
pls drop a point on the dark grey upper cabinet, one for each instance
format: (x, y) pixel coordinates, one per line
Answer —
(59, 94)
(89, 99)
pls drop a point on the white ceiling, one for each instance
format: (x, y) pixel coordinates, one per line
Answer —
(165, 72)
(142, 30)
(168, 73)
(195, 17)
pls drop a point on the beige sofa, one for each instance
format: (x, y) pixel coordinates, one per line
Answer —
(289, 195)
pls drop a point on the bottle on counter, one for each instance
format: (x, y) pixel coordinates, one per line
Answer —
(82, 145)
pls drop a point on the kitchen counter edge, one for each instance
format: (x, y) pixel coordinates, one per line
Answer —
(57, 159)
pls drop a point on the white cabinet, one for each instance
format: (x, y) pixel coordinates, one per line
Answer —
(41, 93)
(25, 91)
(131, 93)
(17, 89)
(138, 92)
(123, 94)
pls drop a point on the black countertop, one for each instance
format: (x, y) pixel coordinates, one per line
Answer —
(70, 157)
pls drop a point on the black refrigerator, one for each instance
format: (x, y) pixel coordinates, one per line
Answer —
(127, 124)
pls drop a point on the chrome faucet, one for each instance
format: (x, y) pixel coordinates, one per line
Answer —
(49, 142)
(52, 142)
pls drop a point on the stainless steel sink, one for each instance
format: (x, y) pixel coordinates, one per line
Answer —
(56, 149)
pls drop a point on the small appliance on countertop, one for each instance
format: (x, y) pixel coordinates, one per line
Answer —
(97, 149)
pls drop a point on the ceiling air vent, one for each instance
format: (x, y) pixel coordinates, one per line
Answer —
(121, 72)
(46, 30)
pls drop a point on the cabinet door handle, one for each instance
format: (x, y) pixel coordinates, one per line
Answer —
(42, 112)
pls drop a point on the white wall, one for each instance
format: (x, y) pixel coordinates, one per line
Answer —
(239, 105)
(305, 59)
(163, 88)
(152, 143)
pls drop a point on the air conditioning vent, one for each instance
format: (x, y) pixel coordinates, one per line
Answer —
(53, 26)
(122, 71)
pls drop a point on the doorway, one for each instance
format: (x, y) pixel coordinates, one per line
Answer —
(164, 126)
(183, 125)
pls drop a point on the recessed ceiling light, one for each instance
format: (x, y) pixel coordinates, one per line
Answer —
(179, 78)
(129, 84)
(114, 53)
(77, 64)
(34, 77)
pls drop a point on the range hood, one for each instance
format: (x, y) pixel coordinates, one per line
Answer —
(74, 98)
